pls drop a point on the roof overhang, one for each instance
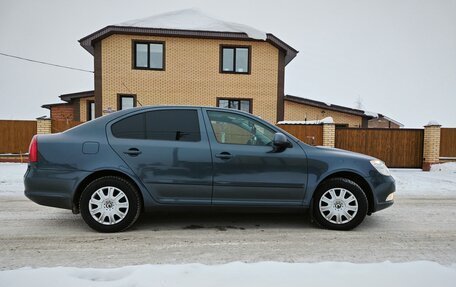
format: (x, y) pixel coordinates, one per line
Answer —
(326, 106)
(89, 41)
(78, 95)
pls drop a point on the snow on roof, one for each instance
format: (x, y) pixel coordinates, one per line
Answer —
(327, 120)
(193, 19)
(371, 114)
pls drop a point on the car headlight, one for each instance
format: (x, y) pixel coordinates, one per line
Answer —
(380, 167)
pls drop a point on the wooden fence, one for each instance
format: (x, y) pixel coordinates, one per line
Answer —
(310, 134)
(15, 136)
(61, 126)
(448, 142)
(396, 147)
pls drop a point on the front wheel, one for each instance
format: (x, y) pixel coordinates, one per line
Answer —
(110, 204)
(339, 204)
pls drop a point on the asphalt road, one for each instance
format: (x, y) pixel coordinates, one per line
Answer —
(413, 229)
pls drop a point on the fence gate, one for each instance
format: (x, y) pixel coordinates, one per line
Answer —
(396, 147)
(310, 134)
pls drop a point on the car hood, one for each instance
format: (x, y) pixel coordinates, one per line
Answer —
(344, 153)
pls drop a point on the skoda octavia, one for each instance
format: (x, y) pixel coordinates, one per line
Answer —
(115, 167)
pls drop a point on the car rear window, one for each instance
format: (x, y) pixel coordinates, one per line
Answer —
(170, 125)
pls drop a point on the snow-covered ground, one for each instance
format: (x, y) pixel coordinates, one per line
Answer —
(441, 180)
(416, 274)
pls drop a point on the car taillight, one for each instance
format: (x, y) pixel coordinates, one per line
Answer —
(33, 150)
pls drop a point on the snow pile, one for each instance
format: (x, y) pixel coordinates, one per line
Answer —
(416, 274)
(415, 182)
(11, 178)
(327, 120)
(192, 19)
(449, 167)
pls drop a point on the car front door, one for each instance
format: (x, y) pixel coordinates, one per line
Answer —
(247, 171)
(168, 149)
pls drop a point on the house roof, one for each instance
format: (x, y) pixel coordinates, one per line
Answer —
(326, 106)
(365, 114)
(69, 97)
(78, 95)
(187, 23)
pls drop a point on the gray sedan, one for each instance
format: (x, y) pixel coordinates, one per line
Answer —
(115, 167)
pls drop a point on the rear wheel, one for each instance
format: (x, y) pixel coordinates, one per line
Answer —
(339, 204)
(110, 204)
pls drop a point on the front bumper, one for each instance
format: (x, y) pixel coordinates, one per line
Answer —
(382, 187)
(52, 187)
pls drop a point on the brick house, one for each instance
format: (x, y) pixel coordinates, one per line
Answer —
(76, 107)
(155, 61)
(302, 109)
(188, 58)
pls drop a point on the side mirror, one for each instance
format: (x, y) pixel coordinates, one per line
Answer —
(280, 142)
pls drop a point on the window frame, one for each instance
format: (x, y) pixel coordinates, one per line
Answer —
(119, 100)
(239, 100)
(89, 110)
(135, 42)
(249, 60)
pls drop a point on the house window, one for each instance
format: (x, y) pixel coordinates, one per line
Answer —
(90, 110)
(126, 102)
(235, 59)
(235, 104)
(149, 55)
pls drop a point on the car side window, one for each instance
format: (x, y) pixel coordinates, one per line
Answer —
(173, 125)
(133, 127)
(231, 128)
(169, 125)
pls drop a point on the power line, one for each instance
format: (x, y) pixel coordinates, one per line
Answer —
(45, 63)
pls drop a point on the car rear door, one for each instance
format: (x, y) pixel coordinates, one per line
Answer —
(168, 149)
(246, 170)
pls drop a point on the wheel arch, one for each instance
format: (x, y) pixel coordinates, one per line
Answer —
(101, 173)
(358, 179)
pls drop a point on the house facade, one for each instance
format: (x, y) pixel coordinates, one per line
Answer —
(188, 58)
(141, 63)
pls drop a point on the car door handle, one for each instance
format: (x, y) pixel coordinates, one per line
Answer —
(133, 152)
(224, 155)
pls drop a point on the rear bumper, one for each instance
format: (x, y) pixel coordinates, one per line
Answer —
(52, 187)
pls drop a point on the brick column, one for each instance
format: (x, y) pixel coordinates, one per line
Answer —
(329, 135)
(431, 145)
(43, 126)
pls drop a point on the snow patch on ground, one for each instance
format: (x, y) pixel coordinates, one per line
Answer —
(12, 178)
(421, 273)
(449, 167)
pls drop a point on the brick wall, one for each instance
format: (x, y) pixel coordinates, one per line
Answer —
(62, 112)
(83, 108)
(192, 74)
(431, 146)
(300, 112)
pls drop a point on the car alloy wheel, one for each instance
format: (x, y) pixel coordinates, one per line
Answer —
(338, 205)
(108, 205)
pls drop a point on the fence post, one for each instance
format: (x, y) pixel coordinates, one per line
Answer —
(431, 145)
(329, 134)
(43, 126)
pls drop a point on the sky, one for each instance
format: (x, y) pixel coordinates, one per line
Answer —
(395, 57)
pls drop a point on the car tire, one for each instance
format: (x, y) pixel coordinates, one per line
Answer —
(110, 204)
(339, 204)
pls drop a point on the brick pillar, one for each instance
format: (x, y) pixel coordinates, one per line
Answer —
(431, 145)
(329, 135)
(43, 126)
